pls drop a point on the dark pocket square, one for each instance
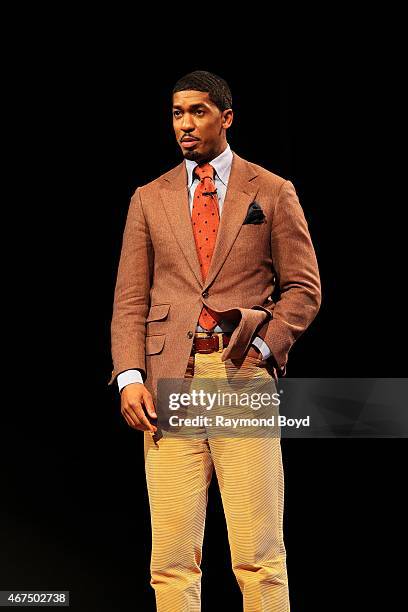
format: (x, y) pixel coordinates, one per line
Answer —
(255, 214)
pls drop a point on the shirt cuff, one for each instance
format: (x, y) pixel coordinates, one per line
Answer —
(262, 346)
(129, 376)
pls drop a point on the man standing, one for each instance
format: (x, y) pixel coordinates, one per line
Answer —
(204, 248)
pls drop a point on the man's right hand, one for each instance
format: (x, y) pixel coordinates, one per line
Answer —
(133, 397)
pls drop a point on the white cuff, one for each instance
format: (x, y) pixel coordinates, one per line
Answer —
(129, 376)
(262, 346)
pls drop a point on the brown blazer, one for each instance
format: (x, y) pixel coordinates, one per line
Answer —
(159, 291)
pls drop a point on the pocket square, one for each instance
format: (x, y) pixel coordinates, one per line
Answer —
(255, 214)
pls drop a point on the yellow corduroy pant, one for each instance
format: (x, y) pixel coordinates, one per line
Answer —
(250, 476)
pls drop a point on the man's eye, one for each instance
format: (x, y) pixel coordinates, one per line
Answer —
(175, 113)
(200, 111)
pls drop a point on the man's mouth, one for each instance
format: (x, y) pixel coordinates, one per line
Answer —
(189, 142)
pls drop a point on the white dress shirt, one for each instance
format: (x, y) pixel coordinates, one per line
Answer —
(222, 166)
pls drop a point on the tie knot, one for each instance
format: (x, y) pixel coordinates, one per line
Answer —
(204, 171)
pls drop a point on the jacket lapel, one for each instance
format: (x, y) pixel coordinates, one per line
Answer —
(174, 196)
(240, 193)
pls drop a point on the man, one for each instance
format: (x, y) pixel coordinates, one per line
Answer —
(204, 248)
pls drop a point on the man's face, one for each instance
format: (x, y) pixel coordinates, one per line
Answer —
(199, 125)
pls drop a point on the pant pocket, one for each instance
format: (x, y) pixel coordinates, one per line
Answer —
(248, 362)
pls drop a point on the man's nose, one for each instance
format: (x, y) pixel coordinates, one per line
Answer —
(187, 123)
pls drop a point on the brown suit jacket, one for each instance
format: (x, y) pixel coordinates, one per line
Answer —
(159, 291)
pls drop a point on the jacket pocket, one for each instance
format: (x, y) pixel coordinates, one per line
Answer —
(158, 312)
(155, 344)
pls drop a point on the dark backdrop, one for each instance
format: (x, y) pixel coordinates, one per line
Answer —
(93, 124)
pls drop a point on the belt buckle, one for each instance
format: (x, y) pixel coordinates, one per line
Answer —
(211, 334)
(217, 336)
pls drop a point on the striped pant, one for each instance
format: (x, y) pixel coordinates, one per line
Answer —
(250, 476)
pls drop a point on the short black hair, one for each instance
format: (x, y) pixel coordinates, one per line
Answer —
(201, 80)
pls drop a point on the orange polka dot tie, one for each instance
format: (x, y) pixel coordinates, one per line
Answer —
(205, 217)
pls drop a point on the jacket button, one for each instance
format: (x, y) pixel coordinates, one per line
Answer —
(205, 294)
(190, 334)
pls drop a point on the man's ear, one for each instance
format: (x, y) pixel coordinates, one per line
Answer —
(228, 116)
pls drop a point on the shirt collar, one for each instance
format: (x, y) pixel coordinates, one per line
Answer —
(221, 164)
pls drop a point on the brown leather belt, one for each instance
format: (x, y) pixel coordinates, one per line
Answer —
(209, 344)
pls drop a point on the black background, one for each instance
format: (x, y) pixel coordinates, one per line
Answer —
(92, 123)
